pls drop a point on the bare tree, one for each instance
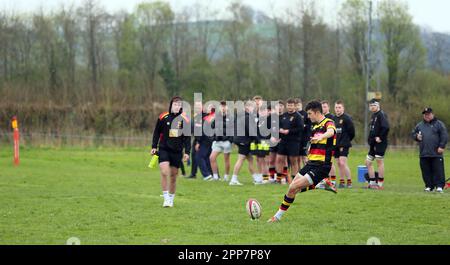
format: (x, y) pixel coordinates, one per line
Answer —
(402, 45)
(67, 25)
(155, 21)
(236, 32)
(354, 21)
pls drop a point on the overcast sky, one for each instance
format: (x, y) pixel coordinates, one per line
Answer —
(431, 13)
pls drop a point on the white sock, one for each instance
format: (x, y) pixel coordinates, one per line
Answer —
(256, 177)
(380, 183)
(171, 196)
(216, 176)
(226, 176)
(234, 178)
(279, 214)
(166, 195)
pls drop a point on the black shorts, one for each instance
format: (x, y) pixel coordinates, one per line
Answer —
(274, 149)
(174, 158)
(341, 151)
(316, 172)
(263, 148)
(244, 149)
(262, 153)
(289, 148)
(377, 150)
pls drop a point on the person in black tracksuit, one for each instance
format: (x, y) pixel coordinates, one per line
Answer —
(378, 142)
(204, 144)
(245, 133)
(307, 125)
(197, 129)
(169, 140)
(275, 114)
(345, 133)
(432, 136)
(291, 135)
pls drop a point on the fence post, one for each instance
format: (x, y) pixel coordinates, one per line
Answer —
(15, 126)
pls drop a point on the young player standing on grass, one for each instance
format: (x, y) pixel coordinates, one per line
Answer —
(204, 144)
(345, 135)
(378, 142)
(319, 163)
(222, 142)
(291, 128)
(197, 125)
(169, 142)
(263, 143)
(327, 114)
(245, 132)
(275, 128)
(306, 133)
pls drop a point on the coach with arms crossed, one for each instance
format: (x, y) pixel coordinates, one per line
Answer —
(432, 136)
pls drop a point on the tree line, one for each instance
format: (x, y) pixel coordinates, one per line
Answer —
(82, 69)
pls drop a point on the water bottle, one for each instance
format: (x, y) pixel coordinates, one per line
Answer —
(419, 136)
(154, 161)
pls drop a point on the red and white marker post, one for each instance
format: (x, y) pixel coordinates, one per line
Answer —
(15, 126)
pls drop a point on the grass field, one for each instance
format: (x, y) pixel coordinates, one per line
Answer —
(109, 196)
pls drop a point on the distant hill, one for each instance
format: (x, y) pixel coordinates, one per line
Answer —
(437, 44)
(438, 47)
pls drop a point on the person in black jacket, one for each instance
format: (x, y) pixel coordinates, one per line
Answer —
(275, 114)
(263, 142)
(197, 125)
(345, 135)
(169, 140)
(204, 144)
(378, 142)
(307, 125)
(245, 133)
(432, 136)
(291, 135)
(222, 140)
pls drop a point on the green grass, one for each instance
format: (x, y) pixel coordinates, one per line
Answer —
(109, 196)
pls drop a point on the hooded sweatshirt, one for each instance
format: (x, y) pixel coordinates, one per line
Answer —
(168, 133)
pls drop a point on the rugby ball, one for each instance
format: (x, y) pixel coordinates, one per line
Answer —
(253, 209)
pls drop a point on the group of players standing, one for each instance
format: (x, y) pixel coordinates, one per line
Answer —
(274, 155)
(287, 146)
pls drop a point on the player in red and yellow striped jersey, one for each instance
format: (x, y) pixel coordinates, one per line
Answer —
(321, 151)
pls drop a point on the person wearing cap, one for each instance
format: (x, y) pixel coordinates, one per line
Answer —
(169, 141)
(378, 142)
(432, 136)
